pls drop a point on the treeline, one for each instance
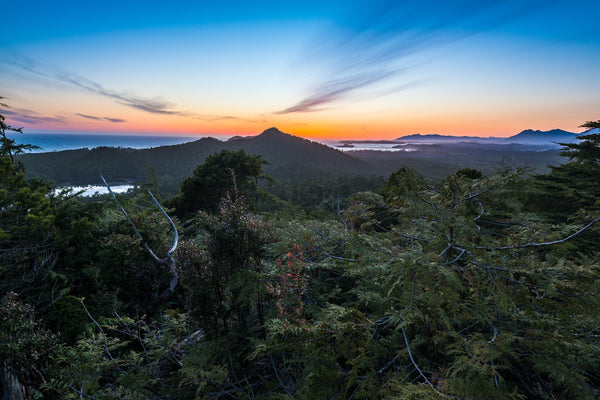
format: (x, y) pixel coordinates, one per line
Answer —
(471, 286)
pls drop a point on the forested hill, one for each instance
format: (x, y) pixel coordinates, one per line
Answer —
(285, 153)
(290, 159)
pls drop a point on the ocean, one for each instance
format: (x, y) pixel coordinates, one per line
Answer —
(64, 141)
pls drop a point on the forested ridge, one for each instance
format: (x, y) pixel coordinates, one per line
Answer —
(475, 285)
(289, 158)
(178, 161)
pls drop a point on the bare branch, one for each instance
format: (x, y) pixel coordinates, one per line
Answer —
(533, 244)
(462, 251)
(338, 258)
(420, 371)
(339, 214)
(402, 235)
(492, 340)
(168, 260)
(106, 350)
(176, 235)
(473, 196)
(80, 393)
(120, 207)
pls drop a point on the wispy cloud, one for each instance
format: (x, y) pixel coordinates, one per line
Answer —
(31, 117)
(380, 41)
(115, 120)
(88, 116)
(153, 105)
(335, 89)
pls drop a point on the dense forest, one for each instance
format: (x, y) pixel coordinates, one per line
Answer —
(474, 285)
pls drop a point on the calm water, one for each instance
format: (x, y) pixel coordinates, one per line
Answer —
(358, 146)
(63, 141)
(91, 190)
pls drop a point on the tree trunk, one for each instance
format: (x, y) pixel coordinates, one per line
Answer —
(12, 389)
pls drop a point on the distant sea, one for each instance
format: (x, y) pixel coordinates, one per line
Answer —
(64, 141)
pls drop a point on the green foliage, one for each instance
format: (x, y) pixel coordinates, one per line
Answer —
(24, 343)
(460, 294)
(27, 255)
(573, 185)
(8, 147)
(122, 269)
(217, 267)
(221, 172)
(67, 318)
(123, 358)
(400, 184)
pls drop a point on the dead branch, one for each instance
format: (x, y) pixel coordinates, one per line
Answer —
(106, 349)
(420, 371)
(80, 393)
(533, 244)
(168, 260)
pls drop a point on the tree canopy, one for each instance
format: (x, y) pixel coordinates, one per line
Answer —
(221, 172)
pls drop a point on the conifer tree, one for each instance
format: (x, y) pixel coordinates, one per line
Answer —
(575, 184)
(213, 178)
(26, 254)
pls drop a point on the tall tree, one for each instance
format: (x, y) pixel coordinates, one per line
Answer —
(574, 185)
(220, 172)
(27, 259)
(26, 216)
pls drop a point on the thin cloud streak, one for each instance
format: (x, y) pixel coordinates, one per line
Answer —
(88, 116)
(154, 105)
(30, 117)
(334, 90)
(378, 47)
(114, 120)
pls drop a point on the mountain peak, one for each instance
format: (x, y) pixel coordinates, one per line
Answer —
(272, 131)
(552, 132)
(530, 136)
(267, 133)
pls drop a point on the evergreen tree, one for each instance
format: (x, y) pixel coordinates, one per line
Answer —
(27, 256)
(27, 260)
(575, 184)
(212, 179)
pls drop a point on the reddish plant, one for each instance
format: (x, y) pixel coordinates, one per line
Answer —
(290, 287)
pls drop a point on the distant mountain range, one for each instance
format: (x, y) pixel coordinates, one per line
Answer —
(550, 138)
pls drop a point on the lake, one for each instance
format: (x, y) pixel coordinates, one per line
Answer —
(91, 190)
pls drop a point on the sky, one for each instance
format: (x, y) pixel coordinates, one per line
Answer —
(333, 69)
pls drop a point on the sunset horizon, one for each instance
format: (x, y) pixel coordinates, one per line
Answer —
(229, 135)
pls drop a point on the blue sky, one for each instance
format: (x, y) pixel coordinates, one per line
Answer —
(376, 69)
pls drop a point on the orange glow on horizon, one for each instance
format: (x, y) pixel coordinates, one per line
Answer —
(313, 126)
